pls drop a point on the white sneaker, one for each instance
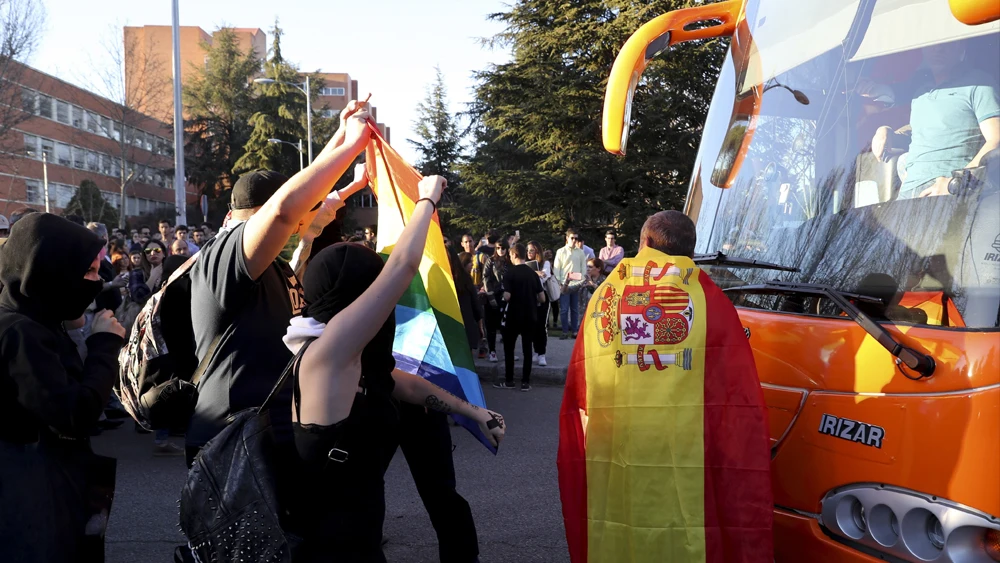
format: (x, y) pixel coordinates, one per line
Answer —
(541, 360)
(534, 357)
(493, 357)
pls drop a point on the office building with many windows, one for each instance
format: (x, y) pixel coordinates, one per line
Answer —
(76, 135)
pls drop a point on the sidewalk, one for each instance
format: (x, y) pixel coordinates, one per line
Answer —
(557, 355)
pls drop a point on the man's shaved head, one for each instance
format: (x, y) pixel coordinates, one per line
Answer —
(670, 232)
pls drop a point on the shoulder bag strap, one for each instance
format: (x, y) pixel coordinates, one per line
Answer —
(289, 369)
(198, 373)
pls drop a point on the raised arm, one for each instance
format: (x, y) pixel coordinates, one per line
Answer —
(323, 217)
(350, 331)
(268, 230)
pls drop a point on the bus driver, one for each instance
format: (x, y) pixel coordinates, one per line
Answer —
(954, 122)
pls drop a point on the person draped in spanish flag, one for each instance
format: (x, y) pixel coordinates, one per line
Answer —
(663, 440)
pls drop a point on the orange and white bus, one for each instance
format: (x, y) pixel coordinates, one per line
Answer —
(847, 198)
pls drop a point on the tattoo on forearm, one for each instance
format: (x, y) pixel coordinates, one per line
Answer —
(433, 402)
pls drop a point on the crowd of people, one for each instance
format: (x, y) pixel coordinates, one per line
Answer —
(519, 291)
(72, 291)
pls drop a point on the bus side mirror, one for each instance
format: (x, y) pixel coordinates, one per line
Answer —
(974, 12)
(654, 37)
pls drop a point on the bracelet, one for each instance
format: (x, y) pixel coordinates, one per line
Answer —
(431, 201)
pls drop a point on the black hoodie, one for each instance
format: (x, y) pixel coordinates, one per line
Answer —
(45, 388)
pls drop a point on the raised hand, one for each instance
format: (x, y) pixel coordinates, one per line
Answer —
(431, 187)
(357, 130)
(104, 321)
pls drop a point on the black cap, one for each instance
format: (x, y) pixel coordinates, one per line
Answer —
(254, 189)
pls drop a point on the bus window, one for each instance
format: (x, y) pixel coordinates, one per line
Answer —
(849, 165)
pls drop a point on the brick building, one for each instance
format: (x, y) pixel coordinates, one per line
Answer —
(84, 137)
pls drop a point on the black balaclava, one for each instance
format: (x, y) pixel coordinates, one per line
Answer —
(336, 277)
(42, 265)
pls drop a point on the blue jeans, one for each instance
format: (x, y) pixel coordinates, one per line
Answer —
(568, 314)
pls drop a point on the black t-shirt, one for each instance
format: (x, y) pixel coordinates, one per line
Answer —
(524, 286)
(251, 316)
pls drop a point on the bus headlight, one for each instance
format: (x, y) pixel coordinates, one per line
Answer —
(935, 533)
(910, 526)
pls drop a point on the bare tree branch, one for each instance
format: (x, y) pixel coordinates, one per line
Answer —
(20, 28)
(134, 83)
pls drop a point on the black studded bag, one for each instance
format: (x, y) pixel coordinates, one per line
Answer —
(236, 504)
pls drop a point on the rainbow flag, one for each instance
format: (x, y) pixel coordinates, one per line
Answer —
(663, 438)
(430, 336)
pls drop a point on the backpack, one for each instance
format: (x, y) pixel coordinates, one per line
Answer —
(158, 367)
(237, 503)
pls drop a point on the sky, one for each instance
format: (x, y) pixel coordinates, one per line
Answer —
(389, 46)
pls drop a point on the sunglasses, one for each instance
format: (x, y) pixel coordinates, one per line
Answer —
(154, 251)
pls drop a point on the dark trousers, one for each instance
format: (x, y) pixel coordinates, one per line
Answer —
(510, 334)
(425, 439)
(554, 307)
(542, 332)
(493, 320)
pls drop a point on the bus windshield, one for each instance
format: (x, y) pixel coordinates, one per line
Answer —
(860, 143)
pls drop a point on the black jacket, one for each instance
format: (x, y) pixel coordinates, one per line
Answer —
(494, 271)
(45, 388)
(50, 399)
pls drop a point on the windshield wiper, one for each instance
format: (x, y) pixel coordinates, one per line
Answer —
(918, 362)
(721, 259)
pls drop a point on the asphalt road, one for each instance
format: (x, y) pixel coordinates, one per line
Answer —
(514, 496)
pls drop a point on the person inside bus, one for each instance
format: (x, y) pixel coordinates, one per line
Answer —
(954, 122)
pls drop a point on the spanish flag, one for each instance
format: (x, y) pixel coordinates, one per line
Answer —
(430, 336)
(663, 442)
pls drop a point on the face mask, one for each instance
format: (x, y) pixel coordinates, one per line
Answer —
(72, 301)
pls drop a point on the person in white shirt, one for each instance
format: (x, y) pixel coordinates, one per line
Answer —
(611, 254)
(587, 251)
(570, 264)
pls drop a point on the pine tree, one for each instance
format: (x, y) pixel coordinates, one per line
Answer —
(439, 143)
(280, 114)
(88, 203)
(219, 102)
(538, 159)
(439, 147)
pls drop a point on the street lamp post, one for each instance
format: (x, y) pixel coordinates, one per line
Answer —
(304, 88)
(180, 179)
(121, 204)
(298, 146)
(45, 179)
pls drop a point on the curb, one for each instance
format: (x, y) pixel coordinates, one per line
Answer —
(548, 375)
